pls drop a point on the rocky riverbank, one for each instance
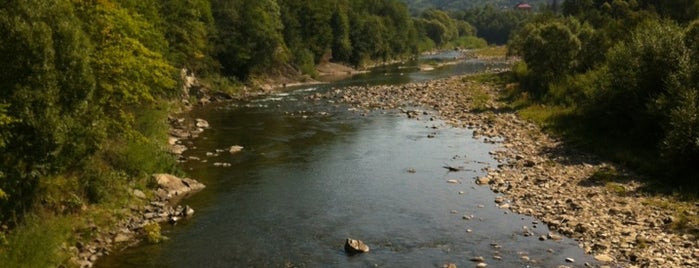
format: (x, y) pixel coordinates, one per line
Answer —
(150, 208)
(600, 205)
(155, 207)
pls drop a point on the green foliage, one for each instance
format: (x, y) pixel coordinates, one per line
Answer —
(680, 145)
(549, 49)
(494, 24)
(417, 6)
(641, 72)
(47, 81)
(189, 28)
(152, 233)
(638, 91)
(249, 36)
(440, 27)
(5, 120)
(304, 61)
(469, 42)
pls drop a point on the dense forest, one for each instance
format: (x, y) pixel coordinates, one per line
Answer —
(624, 75)
(86, 86)
(418, 6)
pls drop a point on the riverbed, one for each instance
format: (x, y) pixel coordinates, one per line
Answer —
(312, 174)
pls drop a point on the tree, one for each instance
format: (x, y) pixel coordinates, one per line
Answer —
(440, 27)
(250, 39)
(340, 23)
(189, 30)
(47, 81)
(550, 50)
(495, 24)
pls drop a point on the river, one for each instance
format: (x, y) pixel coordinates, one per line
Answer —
(313, 174)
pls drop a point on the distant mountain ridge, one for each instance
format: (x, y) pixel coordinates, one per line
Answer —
(417, 6)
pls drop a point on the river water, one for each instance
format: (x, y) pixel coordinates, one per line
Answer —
(313, 174)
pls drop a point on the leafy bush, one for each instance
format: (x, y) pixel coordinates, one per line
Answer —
(152, 233)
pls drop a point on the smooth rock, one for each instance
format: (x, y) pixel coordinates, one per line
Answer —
(354, 246)
(187, 211)
(201, 123)
(139, 194)
(482, 180)
(121, 238)
(174, 185)
(235, 149)
(603, 258)
(553, 236)
(478, 259)
(178, 149)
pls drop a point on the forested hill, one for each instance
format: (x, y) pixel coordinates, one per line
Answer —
(418, 6)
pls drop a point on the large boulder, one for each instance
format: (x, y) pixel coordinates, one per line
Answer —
(175, 186)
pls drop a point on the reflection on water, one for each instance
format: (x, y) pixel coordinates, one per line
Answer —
(313, 174)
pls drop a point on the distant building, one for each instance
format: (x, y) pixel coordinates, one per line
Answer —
(523, 6)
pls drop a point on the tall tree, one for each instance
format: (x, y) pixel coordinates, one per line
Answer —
(47, 80)
(189, 30)
(250, 38)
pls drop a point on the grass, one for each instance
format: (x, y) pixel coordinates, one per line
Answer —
(62, 218)
(491, 52)
(544, 115)
(37, 243)
(468, 42)
(685, 218)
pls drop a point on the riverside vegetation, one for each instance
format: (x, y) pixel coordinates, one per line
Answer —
(86, 88)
